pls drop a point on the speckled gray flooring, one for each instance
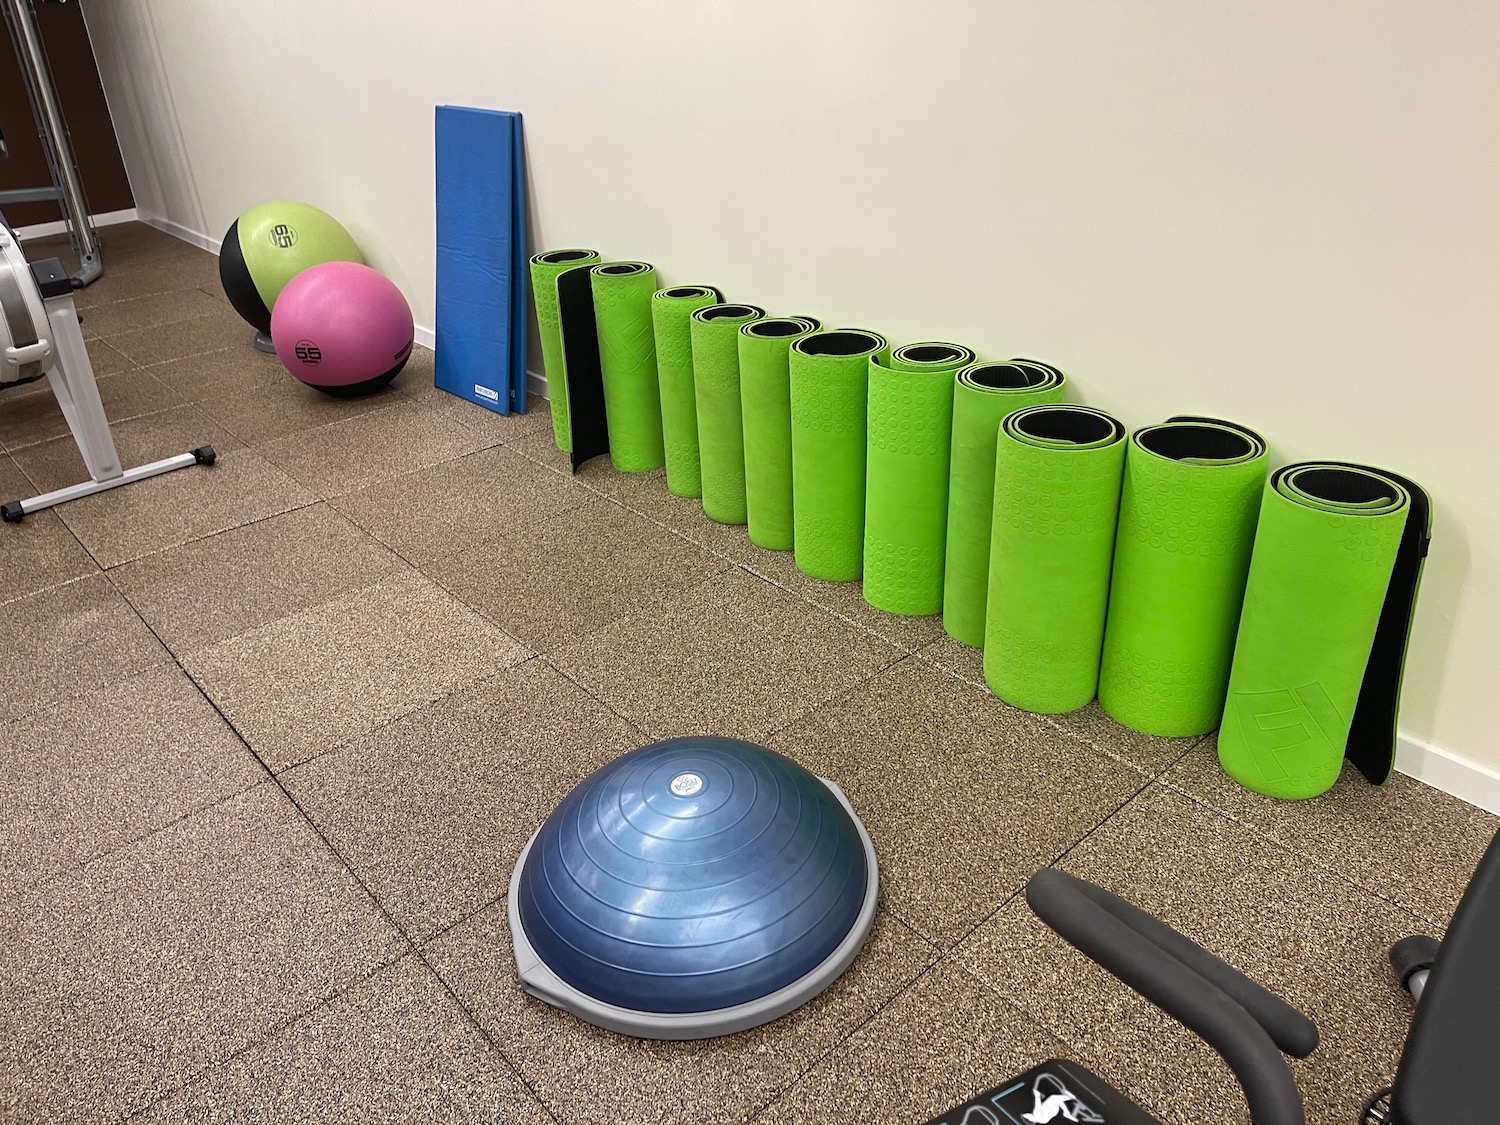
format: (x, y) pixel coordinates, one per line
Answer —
(274, 733)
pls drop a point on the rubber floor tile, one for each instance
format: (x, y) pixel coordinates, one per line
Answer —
(67, 640)
(846, 599)
(155, 310)
(392, 1048)
(590, 1076)
(564, 577)
(308, 682)
(432, 810)
(460, 503)
(263, 411)
(214, 588)
(357, 452)
(1404, 840)
(39, 551)
(1147, 752)
(150, 437)
(964, 796)
(130, 976)
(734, 656)
(92, 773)
(219, 374)
(943, 1040)
(1303, 932)
(153, 515)
(34, 416)
(199, 334)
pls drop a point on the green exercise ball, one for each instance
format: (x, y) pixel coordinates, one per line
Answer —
(272, 243)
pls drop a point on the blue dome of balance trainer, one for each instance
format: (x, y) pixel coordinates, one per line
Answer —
(692, 887)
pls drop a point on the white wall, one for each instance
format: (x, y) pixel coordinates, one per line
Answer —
(1285, 212)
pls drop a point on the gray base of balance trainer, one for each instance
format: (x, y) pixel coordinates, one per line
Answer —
(546, 985)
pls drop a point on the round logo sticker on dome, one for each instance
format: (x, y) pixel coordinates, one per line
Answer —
(687, 784)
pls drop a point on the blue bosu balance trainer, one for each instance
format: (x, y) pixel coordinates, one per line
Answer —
(694, 887)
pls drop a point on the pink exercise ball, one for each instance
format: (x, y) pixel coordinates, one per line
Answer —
(342, 328)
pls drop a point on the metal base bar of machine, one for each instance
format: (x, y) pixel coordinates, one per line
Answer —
(13, 511)
(40, 337)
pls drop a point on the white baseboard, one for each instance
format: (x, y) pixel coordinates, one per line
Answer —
(59, 226)
(535, 384)
(1445, 770)
(177, 230)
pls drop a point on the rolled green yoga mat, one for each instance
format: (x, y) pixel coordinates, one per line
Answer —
(721, 430)
(766, 398)
(829, 377)
(906, 475)
(1188, 510)
(983, 394)
(1057, 494)
(544, 270)
(1322, 638)
(627, 362)
(671, 318)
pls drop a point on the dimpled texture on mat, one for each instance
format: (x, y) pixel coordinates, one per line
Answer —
(721, 429)
(766, 396)
(627, 364)
(1188, 511)
(1056, 500)
(692, 875)
(983, 394)
(1325, 549)
(906, 475)
(829, 374)
(544, 270)
(671, 317)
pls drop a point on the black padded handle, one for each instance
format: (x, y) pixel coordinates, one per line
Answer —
(1238, 1018)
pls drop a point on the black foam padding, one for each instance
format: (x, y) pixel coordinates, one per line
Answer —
(1069, 424)
(1254, 437)
(580, 341)
(1082, 1094)
(1372, 731)
(1448, 1074)
(727, 312)
(781, 326)
(234, 275)
(557, 257)
(1196, 441)
(849, 341)
(1007, 376)
(929, 353)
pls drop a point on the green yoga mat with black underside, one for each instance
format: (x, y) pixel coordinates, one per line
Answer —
(906, 475)
(721, 430)
(829, 374)
(1057, 496)
(671, 318)
(1188, 511)
(1322, 639)
(544, 270)
(766, 399)
(627, 363)
(983, 394)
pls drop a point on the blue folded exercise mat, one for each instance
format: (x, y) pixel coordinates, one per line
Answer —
(481, 257)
